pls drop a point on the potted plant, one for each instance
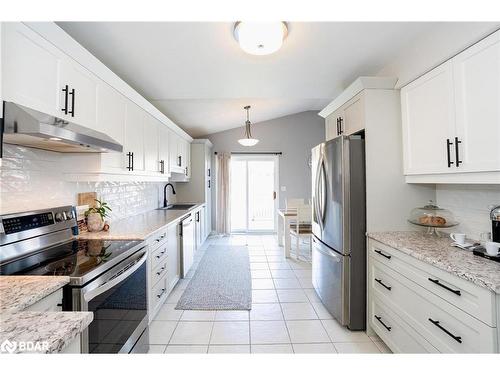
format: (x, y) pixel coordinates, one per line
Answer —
(96, 215)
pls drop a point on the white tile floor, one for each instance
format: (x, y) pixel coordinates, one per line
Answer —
(286, 317)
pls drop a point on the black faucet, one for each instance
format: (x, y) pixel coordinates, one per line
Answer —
(165, 202)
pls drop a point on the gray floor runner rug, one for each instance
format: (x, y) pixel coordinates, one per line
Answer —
(221, 282)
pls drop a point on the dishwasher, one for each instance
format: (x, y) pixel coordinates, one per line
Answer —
(187, 244)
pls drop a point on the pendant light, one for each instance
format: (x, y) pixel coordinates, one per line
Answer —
(248, 140)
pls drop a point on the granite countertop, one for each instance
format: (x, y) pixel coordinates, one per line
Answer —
(139, 227)
(20, 292)
(440, 253)
(50, 332)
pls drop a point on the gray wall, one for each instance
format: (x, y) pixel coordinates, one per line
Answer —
(294, 135)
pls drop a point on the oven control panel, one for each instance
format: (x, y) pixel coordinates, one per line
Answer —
(22, 223)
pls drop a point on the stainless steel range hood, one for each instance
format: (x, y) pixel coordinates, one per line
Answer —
(27, 127)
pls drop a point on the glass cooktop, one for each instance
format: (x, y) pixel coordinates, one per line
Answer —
(75, 258)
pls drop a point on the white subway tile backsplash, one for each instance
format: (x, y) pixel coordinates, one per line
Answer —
(471, 205)
(32, 179)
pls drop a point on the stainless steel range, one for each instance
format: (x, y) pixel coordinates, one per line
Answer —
(108, 278)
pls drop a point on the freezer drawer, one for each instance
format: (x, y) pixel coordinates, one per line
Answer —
(330, 272)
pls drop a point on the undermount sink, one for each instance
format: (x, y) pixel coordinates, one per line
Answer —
(177, 207)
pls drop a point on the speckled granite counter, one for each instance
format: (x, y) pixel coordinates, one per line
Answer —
(50, 331)
(139, 227)
(19, 292)
(439, 253)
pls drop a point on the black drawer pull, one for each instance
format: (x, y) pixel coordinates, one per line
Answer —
(384, 255)
(436, 323)
(162, 293)
(436, 281)
(161, 271)
(381, 283)
(381, 322)
(160, 255)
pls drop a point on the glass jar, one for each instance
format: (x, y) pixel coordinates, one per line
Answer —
(432, 217)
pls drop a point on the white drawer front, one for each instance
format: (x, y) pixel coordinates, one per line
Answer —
(159, 255)
(446, 327)
(158, 239)
(158, 294)
(478, 302)
(395, 332)
(159, 272)
(52, 302)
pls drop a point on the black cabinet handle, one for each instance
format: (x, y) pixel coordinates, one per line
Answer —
(161, 271)
(448, 152)
(436, 281)
(162, 166)
(384, 255)
(381, 283)
(159, 256)
(65, 90)
(72, 112)
(132, 161)
(179, 161)
(340, 126)
(381, 322)
(198, 216)
(129, 156)
(338, 129)
(186, 171)
(209, 184)
(457, 157)
(208, 172)
(162, 293)
(436, 323)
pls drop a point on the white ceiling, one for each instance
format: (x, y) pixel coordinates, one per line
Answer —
(198, 76)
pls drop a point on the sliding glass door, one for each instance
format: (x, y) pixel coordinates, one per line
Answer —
(254, 181)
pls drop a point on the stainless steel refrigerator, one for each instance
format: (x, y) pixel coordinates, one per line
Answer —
(339, 226)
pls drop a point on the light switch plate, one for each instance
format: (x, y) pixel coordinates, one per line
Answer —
(283, 188)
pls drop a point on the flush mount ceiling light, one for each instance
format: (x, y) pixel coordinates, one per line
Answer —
(248, 140)
(260, 38)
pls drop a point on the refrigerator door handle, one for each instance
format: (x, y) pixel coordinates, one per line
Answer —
(316, 196)
(323, 192)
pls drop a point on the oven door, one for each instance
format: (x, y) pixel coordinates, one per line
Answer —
(118, 300)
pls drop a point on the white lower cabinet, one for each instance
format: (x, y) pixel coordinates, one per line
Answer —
(163, 266)
(416, 308)
(52, 302)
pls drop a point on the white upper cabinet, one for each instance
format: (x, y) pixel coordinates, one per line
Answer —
(44, 70)
(151, 155)
(354, 115)
(451, 119)
(25, 82)
(347, 120)
(428, 118)
(476, 72)
(111, 111)
(163, 149)
(134, 138)
(78, 89)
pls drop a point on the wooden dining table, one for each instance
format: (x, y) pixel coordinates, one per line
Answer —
(285, 217)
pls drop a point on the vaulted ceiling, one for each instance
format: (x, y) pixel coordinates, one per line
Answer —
(198, 76)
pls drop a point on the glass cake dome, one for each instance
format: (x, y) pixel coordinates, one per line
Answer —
(432, 217)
